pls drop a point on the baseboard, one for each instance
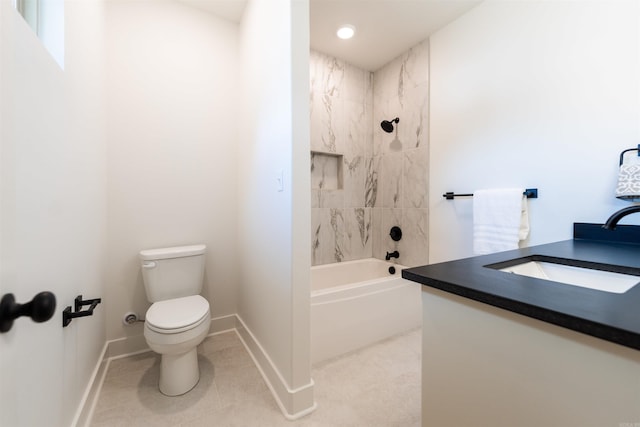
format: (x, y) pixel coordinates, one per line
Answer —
(127, 346)
(294, 403)
(85, 409)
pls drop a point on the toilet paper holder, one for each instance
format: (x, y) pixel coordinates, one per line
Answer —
(68, 315)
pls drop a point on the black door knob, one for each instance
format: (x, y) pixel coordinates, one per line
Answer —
(40, 309)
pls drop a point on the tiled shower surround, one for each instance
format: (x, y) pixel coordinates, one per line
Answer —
(364, 180)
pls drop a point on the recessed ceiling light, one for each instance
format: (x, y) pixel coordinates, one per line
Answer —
(346, 32)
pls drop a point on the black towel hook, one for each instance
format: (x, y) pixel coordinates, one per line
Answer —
(68, 315)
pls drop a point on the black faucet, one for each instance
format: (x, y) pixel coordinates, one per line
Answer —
(617, 216)
(394, 254)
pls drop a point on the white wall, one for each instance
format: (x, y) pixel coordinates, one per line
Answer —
(53, 212)
(534, 94)
(273, 225)
(172, 84)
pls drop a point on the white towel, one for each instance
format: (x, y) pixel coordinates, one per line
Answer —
(629, 182)
(500, 220)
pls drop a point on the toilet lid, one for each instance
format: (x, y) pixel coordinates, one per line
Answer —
(177, 313)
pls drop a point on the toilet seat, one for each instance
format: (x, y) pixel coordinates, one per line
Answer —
(177, 315)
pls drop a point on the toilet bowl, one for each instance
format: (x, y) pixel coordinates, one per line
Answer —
(179, 318)
(173, 329)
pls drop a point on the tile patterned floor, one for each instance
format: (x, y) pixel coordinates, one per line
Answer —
(378, 386)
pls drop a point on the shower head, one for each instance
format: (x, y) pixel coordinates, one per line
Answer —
(387, 125)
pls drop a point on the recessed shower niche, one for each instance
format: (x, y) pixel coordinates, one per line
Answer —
(326, 171)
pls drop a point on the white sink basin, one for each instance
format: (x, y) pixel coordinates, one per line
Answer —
(577, 276)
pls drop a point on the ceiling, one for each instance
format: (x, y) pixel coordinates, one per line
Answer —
(228, 9)
(384, 28)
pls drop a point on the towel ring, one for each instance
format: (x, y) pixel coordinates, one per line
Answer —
(626, 151)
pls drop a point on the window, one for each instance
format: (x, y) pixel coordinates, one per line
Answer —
(46, 18)
(29, 11)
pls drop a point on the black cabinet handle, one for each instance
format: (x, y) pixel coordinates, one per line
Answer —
(40, 309)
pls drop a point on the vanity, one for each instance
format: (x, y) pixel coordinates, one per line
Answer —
(509, 342)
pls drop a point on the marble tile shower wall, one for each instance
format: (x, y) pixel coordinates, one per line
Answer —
(341, 109)
(365, 180)
(401, 158)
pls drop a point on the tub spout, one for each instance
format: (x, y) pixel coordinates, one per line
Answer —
(394, 254)
(612, 222)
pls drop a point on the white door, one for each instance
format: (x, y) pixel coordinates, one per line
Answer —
(52, 217)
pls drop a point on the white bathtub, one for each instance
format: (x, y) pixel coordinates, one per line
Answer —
(357, 303)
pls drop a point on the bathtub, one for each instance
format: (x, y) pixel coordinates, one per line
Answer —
(357, 303)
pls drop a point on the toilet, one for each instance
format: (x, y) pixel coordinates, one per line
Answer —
(179, 317)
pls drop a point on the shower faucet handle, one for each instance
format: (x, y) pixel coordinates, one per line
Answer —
(395, 233)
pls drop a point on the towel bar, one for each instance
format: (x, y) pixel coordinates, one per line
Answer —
(531, 193)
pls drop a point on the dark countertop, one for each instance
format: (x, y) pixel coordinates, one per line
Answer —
(609, 316)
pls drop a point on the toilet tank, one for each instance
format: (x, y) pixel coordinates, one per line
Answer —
(172, 272)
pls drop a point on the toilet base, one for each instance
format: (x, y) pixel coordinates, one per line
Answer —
(179, 373)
